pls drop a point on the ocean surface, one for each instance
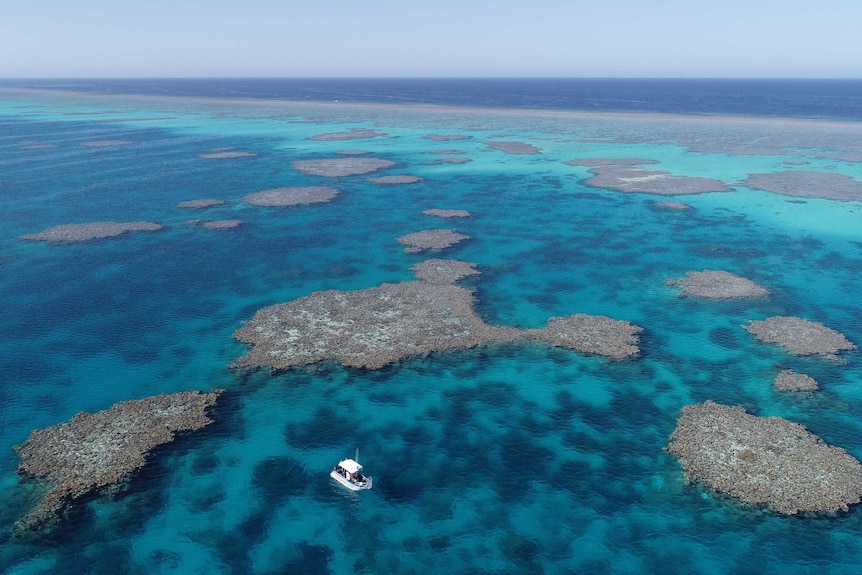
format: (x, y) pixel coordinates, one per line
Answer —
(506, 459)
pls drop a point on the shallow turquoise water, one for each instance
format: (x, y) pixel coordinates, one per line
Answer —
(510, 459)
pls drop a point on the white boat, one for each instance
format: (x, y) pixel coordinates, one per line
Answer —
(348, 473)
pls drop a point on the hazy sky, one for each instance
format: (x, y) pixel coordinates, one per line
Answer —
(575, 38)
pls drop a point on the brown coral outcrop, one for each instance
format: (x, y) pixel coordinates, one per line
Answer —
(279, 197)
(765, 461)
(641, 180)
(808, 184)
(789, 380)
(90, 231)
(341, 167)
(431, 240)
(800, 336)
(374, 327)
(718, 285)
(97, 450)
(516, 148)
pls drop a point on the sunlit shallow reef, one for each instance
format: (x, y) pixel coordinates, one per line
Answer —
(516, 455)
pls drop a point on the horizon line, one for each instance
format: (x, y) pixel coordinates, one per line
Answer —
(268, 77)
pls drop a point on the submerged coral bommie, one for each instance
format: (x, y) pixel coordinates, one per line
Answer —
(404, 179)
(202, 203)
(352, 134)
(441, 213)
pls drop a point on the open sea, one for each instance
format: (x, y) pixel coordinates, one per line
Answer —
(516, 458)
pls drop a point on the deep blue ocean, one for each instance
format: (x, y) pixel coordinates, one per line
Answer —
(832, 99)
(507, 459)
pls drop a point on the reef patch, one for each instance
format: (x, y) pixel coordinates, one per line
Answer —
(640, 180)
(431, 240)
(278, 197)
(90, 231)
(378, 326)
(341, 167)
(718, 285)
(800, 336)
(789, 380)
(764, 461)
(515, 148)
(93, 451)
(807, 184)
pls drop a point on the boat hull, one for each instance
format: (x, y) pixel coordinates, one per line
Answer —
(349, 484)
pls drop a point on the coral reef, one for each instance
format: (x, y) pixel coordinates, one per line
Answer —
(340, 167)
(97, 450)
(377, 326)
(291, 196)
(641, 180)
(431, 240)
(90, 231)
(598, 162)
(202, 203)
(405, 179)
(447, 213)
(764, 460)
(446, 137)
(800, 336)
(807, 184)
(352, 134)
(789, 380)
(518, 148)
(226, 155)
(718, 284)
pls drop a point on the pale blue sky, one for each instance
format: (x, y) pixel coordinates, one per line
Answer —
(572, 38)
